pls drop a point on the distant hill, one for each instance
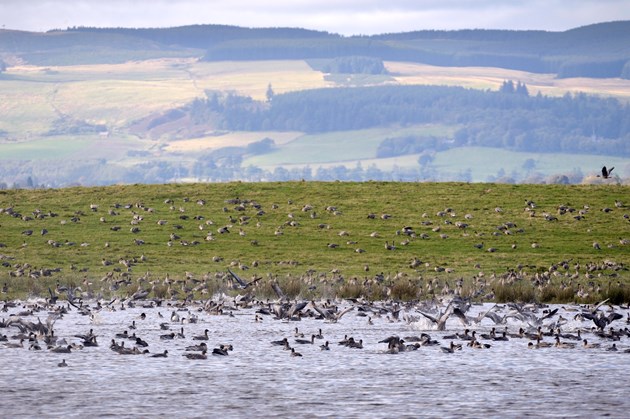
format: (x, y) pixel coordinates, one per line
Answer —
(598, 51)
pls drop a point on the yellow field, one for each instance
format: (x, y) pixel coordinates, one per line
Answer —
(492, 78)
(235, 139)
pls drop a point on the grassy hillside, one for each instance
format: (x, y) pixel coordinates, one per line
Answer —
(282, 231)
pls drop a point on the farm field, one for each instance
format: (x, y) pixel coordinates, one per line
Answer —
(318, 237)
(45, 110)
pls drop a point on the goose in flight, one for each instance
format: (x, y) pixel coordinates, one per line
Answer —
(441, 318)
(241, 283)
(331, 315)
(606, 172)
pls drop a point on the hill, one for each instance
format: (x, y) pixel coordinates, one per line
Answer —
(120, 105)
(599, 50)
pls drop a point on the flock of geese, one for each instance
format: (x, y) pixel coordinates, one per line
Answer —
(437, 280)
(186, 331)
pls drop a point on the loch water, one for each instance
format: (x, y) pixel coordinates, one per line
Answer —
(258, 379)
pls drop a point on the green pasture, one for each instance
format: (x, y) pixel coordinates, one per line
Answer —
(341, 146)
(486, 162)
(78, 240)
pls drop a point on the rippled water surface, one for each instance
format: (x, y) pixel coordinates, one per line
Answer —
(258, 379)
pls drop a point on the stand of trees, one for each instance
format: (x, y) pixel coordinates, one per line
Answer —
(509, 118)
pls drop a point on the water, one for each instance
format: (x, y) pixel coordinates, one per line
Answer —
(258, 379)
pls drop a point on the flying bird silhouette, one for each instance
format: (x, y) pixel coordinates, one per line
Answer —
(606, 172)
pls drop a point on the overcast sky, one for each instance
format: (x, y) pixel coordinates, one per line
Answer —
(347, 17)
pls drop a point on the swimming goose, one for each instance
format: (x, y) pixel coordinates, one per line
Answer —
(282, 342)
(202, 355)
(306, 341)
(201, 347)
(62, 363)
(563, 345)
(123, 335)
(294, 353)
(590, 345)
(355, 344)
(202, 337)
(161, 355)
(62, 349)
(222, 350)
(324, 347)
(541, 344)
(475, 344)
(451, 348)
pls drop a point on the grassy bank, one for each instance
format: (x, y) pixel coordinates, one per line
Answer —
(319, 239)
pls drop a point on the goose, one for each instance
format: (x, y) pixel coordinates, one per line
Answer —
(475, 344)
(355, 344)
(541, 344)
(201, 347)
(241, 283)
(590, 345)
(332, 316)
(451, 348)
(62, 363)
(62, 349)
(202, 337)
(306, 341)
(441, 318)
(294, 353)
(325, 347)
(282, 342)
(160, 355)
(202, 355)
(563, 345)
(222, 350)
(503, 337)
(606, 172)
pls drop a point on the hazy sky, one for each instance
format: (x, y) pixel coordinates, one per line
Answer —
(346, 17)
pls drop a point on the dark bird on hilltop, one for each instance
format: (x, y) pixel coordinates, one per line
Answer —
(606, 172)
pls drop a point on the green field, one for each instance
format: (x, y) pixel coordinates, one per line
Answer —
(549, 252)
(341, 146)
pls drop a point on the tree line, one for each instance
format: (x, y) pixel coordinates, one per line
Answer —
(509, 118)
(599, 50)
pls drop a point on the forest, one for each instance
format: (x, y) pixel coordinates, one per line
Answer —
(600, 50)
(509, 118)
